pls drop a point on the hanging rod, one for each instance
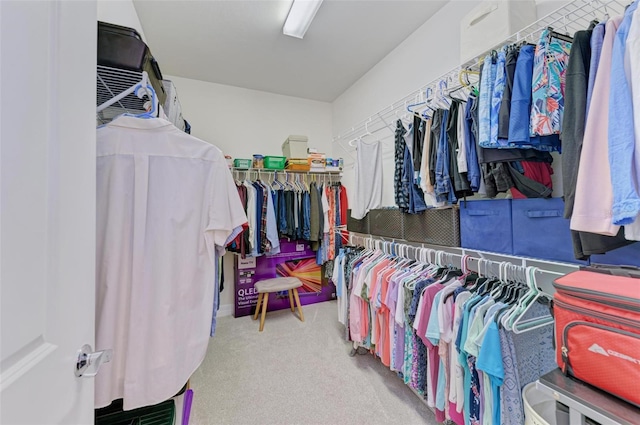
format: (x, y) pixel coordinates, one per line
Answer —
(471, 262)
(569, 18)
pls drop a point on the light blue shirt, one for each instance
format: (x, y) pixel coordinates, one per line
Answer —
(272, 225)
(626, 202)
(490, 362)
(487, 82)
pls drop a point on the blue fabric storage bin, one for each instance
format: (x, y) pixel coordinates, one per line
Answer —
(486, 225)
(540, 230)
(626, 256)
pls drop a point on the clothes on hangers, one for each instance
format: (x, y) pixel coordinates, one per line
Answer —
(519, 117)
(311, 213)
(487, 84)
(522, 105)
(459, 180)
(497, 96)
(401, 192)
(597, 38)
(424, 170)
(156, 281)
(444, 338)
(550, 65)
(594, 174)
(506, 80)
(418, 143)
(623, 158)
(444, 188)
(456, 165)
(409, 179)
(241, 243)
(632, 231)
(471, 150)
(344, 206)
(577, 80)
(580, 76)
(505, 105)
(462, 144)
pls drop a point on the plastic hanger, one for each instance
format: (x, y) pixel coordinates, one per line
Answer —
(519, 325)
(425, 104)
(464, 79)
(514, 321)
(142, 90)
(462, 86)
(275, 184)
(441, 100)
(456, 90)
(559, 36)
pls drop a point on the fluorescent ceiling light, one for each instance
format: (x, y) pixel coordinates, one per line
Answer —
(300, 16)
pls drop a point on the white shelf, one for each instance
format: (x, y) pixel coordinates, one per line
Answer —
(110, 82)
(587, 402)
(269, 171)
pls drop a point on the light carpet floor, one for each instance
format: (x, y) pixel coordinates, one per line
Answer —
(297, 373)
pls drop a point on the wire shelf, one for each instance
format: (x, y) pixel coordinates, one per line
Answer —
(569, 18)
(109, 83)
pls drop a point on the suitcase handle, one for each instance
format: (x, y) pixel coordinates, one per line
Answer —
(543, 213)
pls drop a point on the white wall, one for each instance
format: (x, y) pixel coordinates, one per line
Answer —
(429, 52)
(432, 50)
(242, 122)
(120, 12)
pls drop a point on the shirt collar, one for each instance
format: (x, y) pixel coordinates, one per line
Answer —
(141, 123)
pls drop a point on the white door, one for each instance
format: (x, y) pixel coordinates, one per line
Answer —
(47, 204)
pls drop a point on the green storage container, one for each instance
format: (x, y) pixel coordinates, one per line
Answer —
(242, 163)
(160, 414)
(274, 162)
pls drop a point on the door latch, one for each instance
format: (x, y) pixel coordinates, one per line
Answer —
(89, 362)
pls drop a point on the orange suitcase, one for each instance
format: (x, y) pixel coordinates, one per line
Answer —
(598, 331)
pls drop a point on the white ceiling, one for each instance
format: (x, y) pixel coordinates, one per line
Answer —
(240, 43)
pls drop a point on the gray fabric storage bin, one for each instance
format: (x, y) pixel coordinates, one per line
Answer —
(357, 226)
(387, 222)
(438, 226)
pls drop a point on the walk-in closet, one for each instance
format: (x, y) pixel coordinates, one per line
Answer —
(316, 212)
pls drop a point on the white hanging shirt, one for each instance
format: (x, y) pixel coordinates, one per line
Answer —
(251, 215)
(166, 202)
(325, 210)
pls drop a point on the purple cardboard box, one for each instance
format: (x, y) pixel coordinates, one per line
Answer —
(296, 259)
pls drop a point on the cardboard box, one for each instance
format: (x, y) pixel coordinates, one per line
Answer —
(295, 147)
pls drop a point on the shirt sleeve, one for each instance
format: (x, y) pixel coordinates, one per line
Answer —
(433, 327)
(626, 201)
(490, 356)
(226, 214)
